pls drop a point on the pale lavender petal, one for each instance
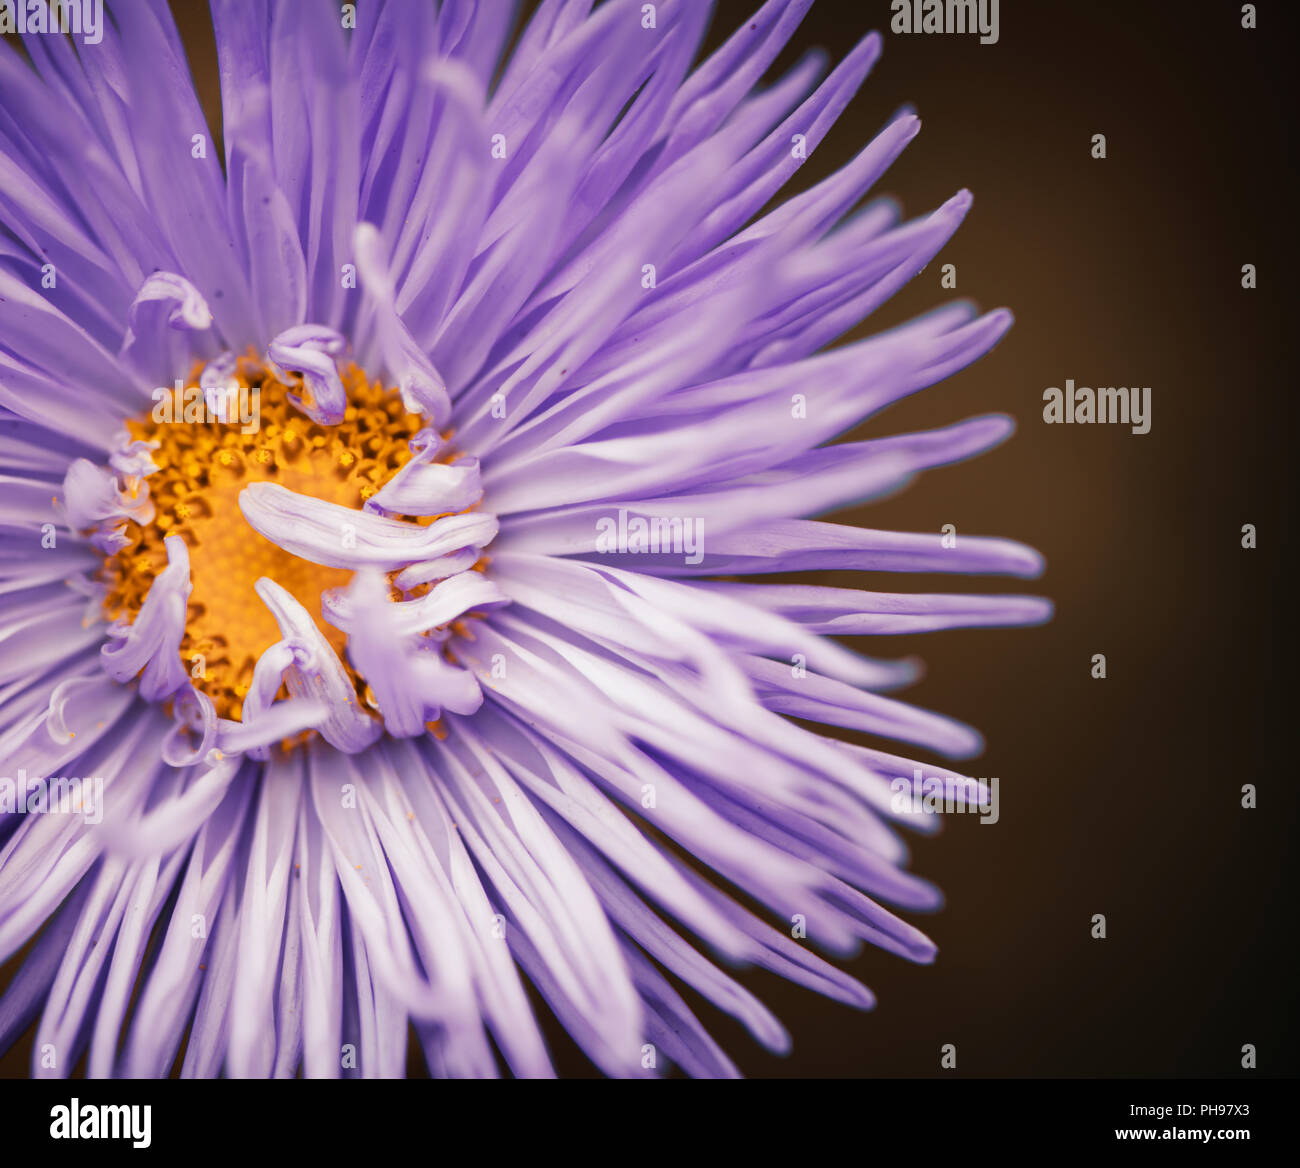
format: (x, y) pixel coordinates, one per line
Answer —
(316, 673)
(166, 306)
(312, 351)
(152, 643)
(340, 537)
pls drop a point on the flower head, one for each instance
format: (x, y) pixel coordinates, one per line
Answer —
(387, 512)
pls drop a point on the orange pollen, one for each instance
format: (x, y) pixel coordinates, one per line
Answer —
(203, 464)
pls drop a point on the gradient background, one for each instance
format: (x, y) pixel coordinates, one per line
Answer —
(1119, 796)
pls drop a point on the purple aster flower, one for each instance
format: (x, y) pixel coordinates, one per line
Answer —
(386, 515)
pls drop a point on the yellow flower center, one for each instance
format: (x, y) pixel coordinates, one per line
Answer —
(204, 461)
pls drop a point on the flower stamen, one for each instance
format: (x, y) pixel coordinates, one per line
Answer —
(203, 465)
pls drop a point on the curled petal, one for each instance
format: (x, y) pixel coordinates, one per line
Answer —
(167, 304)
(219, 372)
(346, 608)
(253, 736)
(423, 487)
(132, 459)
(339, 537)
(195, 715)
(311, 350)
(153, 642)
(268, 675)
(315, 672)
(428, 571)
(411, 680)
(216, 380)
(93, 498)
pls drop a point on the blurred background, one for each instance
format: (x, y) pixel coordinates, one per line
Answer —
(1119, 796)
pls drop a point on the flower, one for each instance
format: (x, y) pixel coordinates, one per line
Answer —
(379, 520)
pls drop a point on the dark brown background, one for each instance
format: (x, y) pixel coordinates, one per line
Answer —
(1119, 796)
